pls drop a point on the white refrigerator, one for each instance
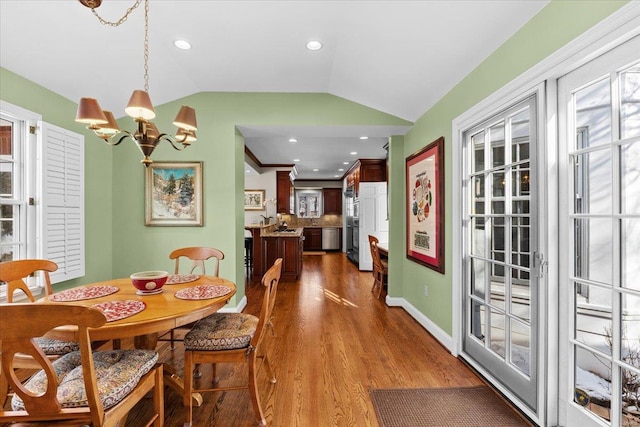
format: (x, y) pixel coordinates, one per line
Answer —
(372, 218)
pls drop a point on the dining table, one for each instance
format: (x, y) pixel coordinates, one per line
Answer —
(131, 313)
(383, 249)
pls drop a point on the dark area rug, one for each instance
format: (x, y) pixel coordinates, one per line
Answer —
(442, 407)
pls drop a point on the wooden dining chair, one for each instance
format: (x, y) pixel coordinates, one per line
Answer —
(197, 255)
(232, 338)
(14, 273)
(97, 388)
(380, 267)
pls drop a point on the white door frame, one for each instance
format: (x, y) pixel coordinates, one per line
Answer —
(612, 31)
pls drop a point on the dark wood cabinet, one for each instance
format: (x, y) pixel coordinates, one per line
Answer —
(287, 248)
(332, 200)
(366, 170)
(284, 193)
(312, 239)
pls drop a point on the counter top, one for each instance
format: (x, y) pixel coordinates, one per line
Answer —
(297, 232)
(252, 226)
(321, 226)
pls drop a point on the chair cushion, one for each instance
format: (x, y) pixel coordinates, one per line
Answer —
(117, 372)
(221, 331)
(52, 347)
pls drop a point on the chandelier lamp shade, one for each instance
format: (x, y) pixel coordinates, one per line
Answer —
(146, 135)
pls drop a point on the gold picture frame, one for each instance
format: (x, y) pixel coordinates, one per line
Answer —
(173, 194)
(254, 200)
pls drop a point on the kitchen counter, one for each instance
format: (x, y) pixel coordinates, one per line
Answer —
(292, 232)
(287, 245)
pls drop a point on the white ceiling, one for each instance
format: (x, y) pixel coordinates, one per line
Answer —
(399, 57)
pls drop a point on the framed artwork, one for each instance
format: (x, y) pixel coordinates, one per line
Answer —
(425, 206)
(173, 194)
(254, 200)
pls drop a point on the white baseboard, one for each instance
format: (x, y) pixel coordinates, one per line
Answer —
(445, 339)
(237, 309)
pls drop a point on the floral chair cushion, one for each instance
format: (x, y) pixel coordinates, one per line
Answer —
(221, 331)
(117, 372)
(56, 347)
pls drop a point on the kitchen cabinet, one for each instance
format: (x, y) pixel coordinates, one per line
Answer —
(332, 201)
(312, 238)
(366, 170)
(284, 193)
(289, 249)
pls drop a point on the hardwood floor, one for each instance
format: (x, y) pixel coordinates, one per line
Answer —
(333, 342)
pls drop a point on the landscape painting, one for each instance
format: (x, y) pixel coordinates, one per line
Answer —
(173, 194)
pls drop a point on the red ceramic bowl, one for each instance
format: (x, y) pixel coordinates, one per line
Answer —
(149, 282)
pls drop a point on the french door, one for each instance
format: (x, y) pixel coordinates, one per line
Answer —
(599, 265)
(500, 250)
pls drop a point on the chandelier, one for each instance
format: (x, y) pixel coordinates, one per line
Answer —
(146, 136)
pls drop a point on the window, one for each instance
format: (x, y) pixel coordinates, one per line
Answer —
(41, 193)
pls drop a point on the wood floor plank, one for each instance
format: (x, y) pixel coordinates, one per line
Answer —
(333, 342)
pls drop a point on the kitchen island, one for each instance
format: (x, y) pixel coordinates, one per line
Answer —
(287, 245)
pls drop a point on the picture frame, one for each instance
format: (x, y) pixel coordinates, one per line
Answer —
(425, 206)
(254, 200)
(173, 194)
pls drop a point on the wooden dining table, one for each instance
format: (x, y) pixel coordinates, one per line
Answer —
(158, 313)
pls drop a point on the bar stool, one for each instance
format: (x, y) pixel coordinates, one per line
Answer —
(248, 252)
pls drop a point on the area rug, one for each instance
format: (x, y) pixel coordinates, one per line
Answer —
(442, 407)
(313, 253)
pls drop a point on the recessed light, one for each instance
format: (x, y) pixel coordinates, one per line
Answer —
(364, 137)
(345, 163)
(353, 153)
(293, 140)
(314, 45)
(182, 44)
(340, 170)
(336, 176)
(296, 160)
(315, 170)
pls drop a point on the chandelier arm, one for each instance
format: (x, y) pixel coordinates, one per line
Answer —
(172, 140)
(110, 140)
(119, 21)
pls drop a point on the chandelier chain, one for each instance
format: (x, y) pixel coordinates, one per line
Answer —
(146, 46)
(119, 21)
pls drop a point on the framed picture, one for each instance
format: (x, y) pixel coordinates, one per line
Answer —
(173, 194)
(425, 206)
(254, 200)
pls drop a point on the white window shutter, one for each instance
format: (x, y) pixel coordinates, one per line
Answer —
(62, 200)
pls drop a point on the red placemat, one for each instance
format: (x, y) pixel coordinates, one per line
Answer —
(116, 310)
(86, 292)
(202, 292)
(175, 279)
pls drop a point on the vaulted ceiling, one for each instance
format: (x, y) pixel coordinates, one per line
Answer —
(399, 57)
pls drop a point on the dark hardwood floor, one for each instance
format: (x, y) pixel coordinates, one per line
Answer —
(333, 343)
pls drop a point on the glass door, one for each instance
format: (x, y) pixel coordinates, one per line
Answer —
(500, 245)
(599, 269)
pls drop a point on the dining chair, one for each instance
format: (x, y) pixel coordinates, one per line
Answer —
(232, 338)
(97, 388)
(380, 267)
(14, 273)
(197, 255)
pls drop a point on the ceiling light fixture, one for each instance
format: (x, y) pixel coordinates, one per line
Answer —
(315, 170)
(296, 160)
(147, 136)
(364, 137)
(293, 140)
(314, 45)
(182, 44)
(353, 153)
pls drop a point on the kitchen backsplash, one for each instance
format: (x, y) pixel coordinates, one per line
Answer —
(324, 221)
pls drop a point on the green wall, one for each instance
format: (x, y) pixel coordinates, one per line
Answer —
(553, 27)
(221, 148)
(98, 186)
